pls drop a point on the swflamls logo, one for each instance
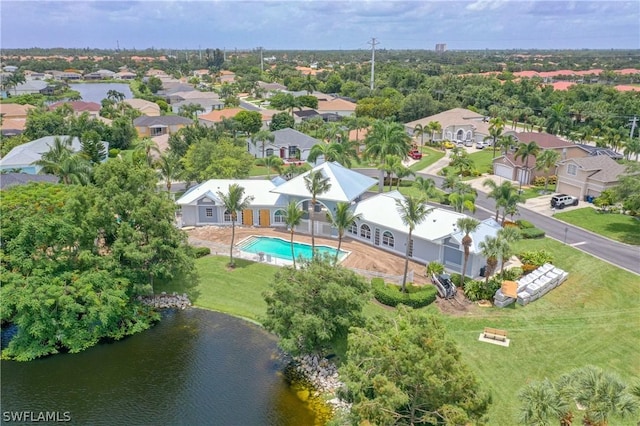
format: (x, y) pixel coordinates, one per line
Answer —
(36, 416)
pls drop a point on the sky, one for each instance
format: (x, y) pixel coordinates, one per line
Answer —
(321, 25)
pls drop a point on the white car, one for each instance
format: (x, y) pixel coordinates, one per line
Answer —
(481, 145)
(468, 143)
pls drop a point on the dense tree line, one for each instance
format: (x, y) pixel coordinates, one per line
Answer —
(75, 258)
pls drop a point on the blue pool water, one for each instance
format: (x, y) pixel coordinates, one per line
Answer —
(277, 247)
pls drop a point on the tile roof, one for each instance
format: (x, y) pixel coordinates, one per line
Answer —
(14, 110)
(336, 105)
(604, 168)
(161, 120)
(346, 184)
(78, 106)
(455, 117)
(291, 137)
(544, 140)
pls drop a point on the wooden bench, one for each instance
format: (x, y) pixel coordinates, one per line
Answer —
(494, 334)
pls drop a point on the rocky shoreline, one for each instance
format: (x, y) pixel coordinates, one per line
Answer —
(322, 375)
(166, 301)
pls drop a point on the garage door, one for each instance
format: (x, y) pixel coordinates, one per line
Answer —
(565, 188)
(503, 171)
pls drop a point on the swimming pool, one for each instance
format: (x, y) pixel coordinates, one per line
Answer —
(280, 248)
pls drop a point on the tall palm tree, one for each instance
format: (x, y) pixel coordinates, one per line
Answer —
(262, 136)
(234, 201)
(434, 127)
(542, 404)
(496, 126)
(490, 249)
(506, 142)
(467, 225)
(389, 166)
(62, 162)
(309, 84)
(525, 151)
(413, 211)
(115, 96)
(545, 162)
(632, 147)
(317, 184)
(505, 194)
(386, 138)
(146, 146)
(557, 118)
(420, 130)
(401, 172)
(342, 219)
(463, 197)
(292, 217)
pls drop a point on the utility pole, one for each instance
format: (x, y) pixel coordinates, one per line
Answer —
(373, 43)
(261, 60)
(633, 121)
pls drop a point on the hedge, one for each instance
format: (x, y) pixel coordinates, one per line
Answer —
(530, 233)
(524, 224)
(201, 251)
(390, 295)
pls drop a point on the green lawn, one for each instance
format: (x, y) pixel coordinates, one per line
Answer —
(429, 156)
(261, 171)
(483, 159)
(592, 318)
(616, 226)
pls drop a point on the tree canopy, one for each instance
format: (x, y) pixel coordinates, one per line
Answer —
(405, 370)
(309, 307)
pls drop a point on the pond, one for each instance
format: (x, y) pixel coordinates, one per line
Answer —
(194, 367)
(96, 92)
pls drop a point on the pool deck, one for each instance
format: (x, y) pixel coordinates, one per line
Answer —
(362, 256)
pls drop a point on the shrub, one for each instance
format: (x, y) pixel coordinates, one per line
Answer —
(479, 290)
(524, 224)
(201, 251)
(535, 257)
(455, 279)
(530, 233)
(511, 274)
(390, 294)
(113, 152)
(259, 162)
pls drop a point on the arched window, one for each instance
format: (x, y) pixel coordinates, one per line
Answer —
(227, 216)
(278, 216)
(268, 152)
(365, 231)
(353, 229)
(460, 135)
(387, 239)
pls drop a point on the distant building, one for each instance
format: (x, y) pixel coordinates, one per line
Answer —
(441, 47)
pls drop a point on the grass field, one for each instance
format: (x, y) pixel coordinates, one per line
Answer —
(592, 318)
(483, 159)
(616, 226)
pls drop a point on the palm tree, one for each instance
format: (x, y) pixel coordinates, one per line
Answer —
(401, 172)
(496, 126)
(524, 151)
(603, 395)
(386, 138)
(557, 118)
(542, 404)
(545, 162)
(434, 127)
(420, 130)
(426, 186)
(505, 194)
(342, 219)
(61, 161)
(467, 225)
(490, 248)
(632, 147)
(413, 211)
(234, 201)
(506, 142)
(389, 166)
(463, 197)
(292, 217)
(169, 168)
(115, 96)
(262, 136)
(508, 236)
(273, 162)
(316, 184)
(146, 146)
(309, 84)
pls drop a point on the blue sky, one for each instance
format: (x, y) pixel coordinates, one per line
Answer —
(321, 25)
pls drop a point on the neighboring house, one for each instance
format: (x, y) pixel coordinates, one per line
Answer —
(191, 95)
(596, 150)
(457, 125)
(288, 144)
(171, 87)
(23, 156)
(580, 177)
(271, 89)
(79, 107)
(508, 167)
(29, 87)
(305, 114)
(100, 75)
(14, 118)
(161, 125)
(227, 77)
(380, 225)
(337, 106)
(436, 238)
(65, 75)
(150, 109)
(207, 105)
(125, 75)
(215, 116)
(8, 180)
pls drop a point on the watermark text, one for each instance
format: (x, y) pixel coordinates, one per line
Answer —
(36, 416)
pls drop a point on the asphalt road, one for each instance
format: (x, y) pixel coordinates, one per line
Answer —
(619, 254)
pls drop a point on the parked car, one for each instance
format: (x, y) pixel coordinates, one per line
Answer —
(415, 154)
(480, 145)
(468, 143)
(560, 201)
(448, 144)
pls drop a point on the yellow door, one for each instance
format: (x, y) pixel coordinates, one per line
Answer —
(265, 217)
(247, 217)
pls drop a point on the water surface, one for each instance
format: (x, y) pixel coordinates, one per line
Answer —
(96, 92)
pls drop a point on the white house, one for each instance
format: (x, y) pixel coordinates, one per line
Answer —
(379, 224)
